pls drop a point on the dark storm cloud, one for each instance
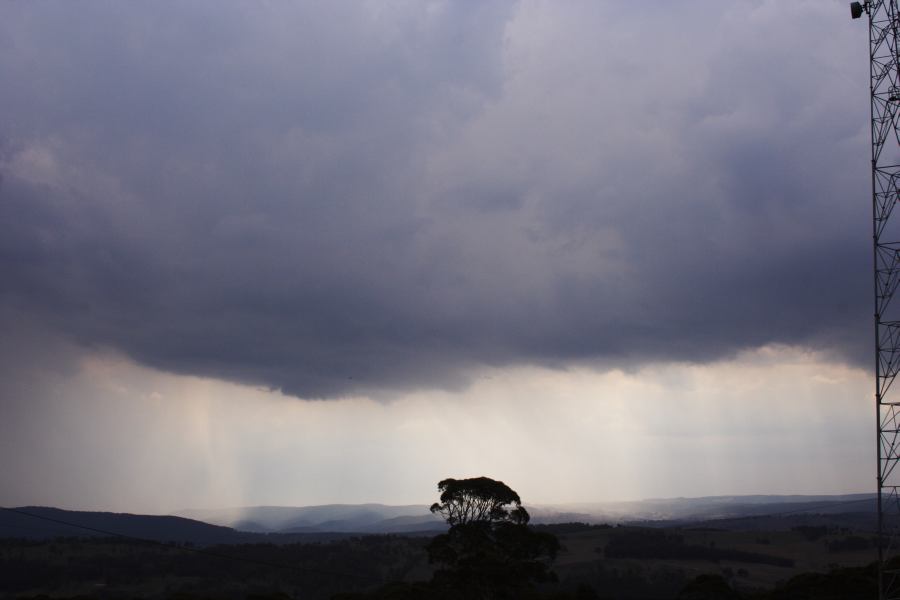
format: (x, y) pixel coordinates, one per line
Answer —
(346, 198)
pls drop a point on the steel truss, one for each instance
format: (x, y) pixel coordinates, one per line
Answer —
(884, 74)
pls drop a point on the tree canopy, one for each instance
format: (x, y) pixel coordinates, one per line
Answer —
(478, 499)
(489, 550)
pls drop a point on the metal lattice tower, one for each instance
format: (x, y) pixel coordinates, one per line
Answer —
(884, 73)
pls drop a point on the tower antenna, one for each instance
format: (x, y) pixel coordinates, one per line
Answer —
(884, 97)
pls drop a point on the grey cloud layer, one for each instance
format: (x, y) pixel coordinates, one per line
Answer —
(356, 197)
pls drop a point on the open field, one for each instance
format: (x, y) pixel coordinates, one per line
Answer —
(759, 560)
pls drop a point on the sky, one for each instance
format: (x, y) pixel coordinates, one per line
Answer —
(313, 252)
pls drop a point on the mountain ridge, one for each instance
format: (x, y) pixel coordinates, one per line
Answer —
(385, 518)
(285, 524)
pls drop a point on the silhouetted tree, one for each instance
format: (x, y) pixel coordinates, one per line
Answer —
(489, 550)
(465, 501)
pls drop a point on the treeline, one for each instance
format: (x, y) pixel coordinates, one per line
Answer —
(110, 569)
(131, 568)
(849, 583)
(657, 544)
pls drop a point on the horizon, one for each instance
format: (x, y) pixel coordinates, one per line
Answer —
(540, 505)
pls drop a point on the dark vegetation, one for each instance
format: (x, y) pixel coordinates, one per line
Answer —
(127, 568)
(489, 551)
(106, 569)
(655, 543)
(811, 533)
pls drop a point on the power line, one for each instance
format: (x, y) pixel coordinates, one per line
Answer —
(197, 550)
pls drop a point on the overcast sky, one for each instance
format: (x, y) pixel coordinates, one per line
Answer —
(294, 253)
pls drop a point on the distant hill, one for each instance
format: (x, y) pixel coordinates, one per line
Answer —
(381, 518)
(283, 524)
(348, 518)
(710, 507)
(158, 528)
(862, 522)
(39, 522)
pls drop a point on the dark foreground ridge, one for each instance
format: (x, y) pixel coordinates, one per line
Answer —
(797, 553)
(594, 561)
(43, 523)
